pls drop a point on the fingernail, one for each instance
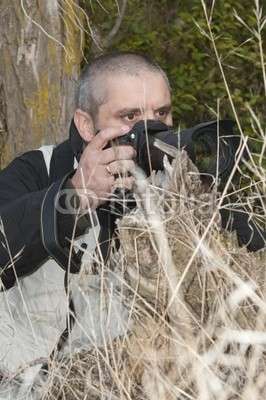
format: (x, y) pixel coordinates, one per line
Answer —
(125, 129)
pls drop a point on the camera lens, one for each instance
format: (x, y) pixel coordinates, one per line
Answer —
(204, 156)
(207, 149)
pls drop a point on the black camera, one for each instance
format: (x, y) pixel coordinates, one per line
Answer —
(212, 146)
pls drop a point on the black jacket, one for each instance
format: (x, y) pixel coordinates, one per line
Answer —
(23, 187)
(24, 184)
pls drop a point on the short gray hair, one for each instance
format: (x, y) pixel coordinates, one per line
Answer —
(90, 95)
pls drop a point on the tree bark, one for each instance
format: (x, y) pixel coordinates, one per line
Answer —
(41, 50)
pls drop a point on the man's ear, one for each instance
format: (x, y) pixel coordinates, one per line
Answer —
(84, 124)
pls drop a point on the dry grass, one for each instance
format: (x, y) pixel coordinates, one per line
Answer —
(195, 300)
(197, 305)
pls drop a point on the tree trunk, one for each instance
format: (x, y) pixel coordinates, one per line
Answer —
(40, 49)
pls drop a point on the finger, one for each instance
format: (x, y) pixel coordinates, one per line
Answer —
(104, 197)
(124, 182)
(117, 153)
(100, 140)
(105, 182)
(121, 167)
(90, 197)
(106, 190)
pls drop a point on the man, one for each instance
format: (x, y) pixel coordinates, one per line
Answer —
(114, 92)
(112, 97)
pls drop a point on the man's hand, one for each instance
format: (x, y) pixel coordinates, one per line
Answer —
(94, 179)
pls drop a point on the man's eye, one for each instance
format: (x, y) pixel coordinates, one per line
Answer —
(130, 116)
(162, 113)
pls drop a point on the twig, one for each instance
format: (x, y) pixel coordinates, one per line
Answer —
(113, 32)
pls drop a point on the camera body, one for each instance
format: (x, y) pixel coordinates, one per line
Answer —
(212, 146)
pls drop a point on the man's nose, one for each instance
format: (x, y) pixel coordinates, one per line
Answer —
(149, 114)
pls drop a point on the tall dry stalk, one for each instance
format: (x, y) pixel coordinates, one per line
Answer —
(194, 326)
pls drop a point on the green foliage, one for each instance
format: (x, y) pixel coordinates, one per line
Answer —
(171, 31)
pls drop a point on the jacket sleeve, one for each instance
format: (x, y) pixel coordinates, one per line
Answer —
(249, 234)
(23, 187)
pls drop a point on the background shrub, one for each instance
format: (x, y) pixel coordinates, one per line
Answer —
(172, 33)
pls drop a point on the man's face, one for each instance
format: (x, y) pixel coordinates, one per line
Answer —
(133, 98)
